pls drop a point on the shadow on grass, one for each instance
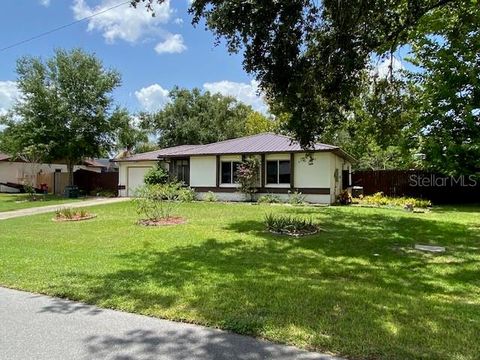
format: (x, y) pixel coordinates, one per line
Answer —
(356, 289)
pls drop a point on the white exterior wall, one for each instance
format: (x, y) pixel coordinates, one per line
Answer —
(123, 173)
(312, 174)
(202, 171)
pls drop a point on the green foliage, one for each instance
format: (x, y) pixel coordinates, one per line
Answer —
(193, 117)
(156, 175)
(448, 90)
(187, 194)
(158, 201)
(379, 199)
(289, 224)
(66, 107)
(71, 214)
(248, 175)
(210, 197)
(128, 136)
(296, 198)
(269, 199)
(30, 191)
(257, 123)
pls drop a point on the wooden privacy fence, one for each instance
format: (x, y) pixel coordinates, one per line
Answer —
(90, 181)
(440, 189)
(56, 181)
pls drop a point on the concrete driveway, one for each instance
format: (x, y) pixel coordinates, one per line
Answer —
(51, 208)
(45, 328)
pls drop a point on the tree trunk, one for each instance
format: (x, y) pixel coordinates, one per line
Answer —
(70, 173)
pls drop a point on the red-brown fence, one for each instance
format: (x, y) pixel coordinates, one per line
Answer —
(92, 181)
(440, 189)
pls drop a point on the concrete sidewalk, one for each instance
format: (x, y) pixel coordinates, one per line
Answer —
(51, 208)
(41, 327)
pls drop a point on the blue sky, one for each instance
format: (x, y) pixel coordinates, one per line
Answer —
(152, 54)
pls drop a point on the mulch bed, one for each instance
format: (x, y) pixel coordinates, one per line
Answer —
(173, 220)
(75, 218)
(296, 234)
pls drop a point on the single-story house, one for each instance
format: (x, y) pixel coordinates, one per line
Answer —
(285, 167)
(18, 171)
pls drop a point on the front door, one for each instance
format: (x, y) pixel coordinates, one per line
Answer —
(180, 170)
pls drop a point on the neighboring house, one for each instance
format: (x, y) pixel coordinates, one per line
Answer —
(211, 167)
(17, 171)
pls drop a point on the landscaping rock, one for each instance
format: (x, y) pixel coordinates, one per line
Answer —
(429, 248)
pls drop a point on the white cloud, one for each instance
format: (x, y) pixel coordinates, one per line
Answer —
(178, 21)
(152, 97)
(172, 44)
(9, 93)
(382, 69)
(246, 93)
(45, 3)
(124, 22)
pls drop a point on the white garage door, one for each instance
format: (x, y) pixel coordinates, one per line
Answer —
(135, 178)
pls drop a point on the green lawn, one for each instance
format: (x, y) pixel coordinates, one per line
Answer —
(10, 202)
(357, 289)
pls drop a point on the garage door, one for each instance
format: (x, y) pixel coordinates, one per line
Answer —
(135, 178)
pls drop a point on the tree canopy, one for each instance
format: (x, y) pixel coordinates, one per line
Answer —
(196, 117)
(66, 108)
(308, 56)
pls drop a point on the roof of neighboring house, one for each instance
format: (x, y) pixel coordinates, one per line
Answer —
(94, 163)
(4, 157)
(254, 144)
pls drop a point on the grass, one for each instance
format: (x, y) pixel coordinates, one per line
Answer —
(357, 289)
(11, 202)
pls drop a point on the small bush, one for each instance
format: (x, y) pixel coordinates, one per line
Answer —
(158, 201)
(210, 197)
(379, 199)
(156, 175)
(186, 194)
(290, 225)
(71, 214)
(296, 198)
(269, 199)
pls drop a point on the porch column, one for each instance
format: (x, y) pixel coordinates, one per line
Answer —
(262, 171)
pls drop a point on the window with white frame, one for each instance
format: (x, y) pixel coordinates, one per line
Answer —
(229, 172)
(278, 172)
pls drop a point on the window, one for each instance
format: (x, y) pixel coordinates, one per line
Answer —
(278, 172)
(180, 171)
(229, 172)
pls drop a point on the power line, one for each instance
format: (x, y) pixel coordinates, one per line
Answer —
(62, 27)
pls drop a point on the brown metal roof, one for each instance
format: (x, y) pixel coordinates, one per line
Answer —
(254, 144)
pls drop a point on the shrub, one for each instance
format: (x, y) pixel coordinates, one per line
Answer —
(296, 198)
(71, 214)
(156, 175)
(379, 199)
(210, 197)
(186, 194)
(344, 198)
(157, 201)
(290, 225)
(247, 176)
(269, 199)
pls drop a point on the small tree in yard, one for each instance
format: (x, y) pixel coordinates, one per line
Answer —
(158, 201)
(247, 177)
(66, 106)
